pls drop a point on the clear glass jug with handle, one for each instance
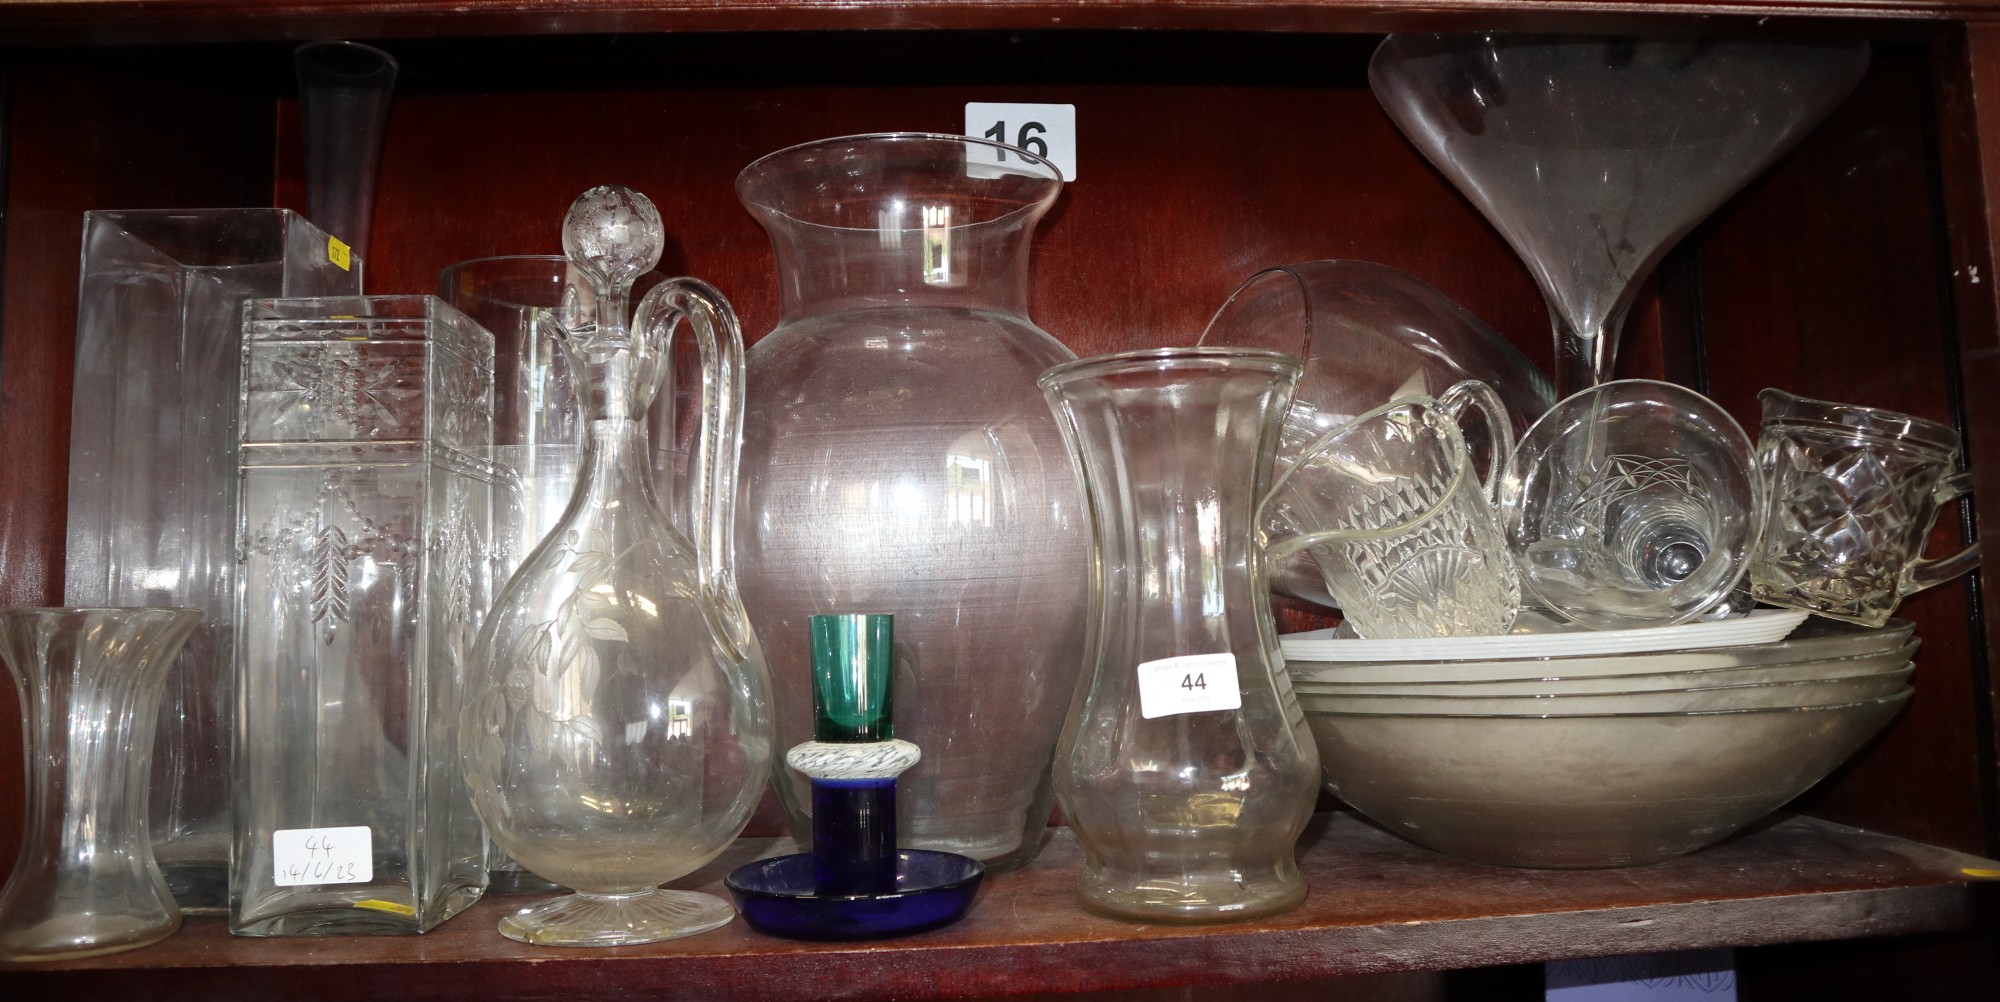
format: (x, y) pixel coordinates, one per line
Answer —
(616, 735)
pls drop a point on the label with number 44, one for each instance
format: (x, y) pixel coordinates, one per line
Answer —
(302, 857)
(1046, 130)
(1192, 683)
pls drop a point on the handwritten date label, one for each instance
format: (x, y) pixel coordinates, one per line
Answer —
(306, 856)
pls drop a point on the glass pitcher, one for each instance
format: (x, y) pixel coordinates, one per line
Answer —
(616, 736)
(1186, 768)
(899, 457)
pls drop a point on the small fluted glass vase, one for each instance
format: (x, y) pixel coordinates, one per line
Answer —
(89, 682)
(616, 736)
(1186, 768)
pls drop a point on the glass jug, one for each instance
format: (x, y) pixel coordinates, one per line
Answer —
(1186, 768)
(899, 457)
(616, 736)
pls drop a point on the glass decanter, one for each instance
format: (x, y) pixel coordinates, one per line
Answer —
(616, 736)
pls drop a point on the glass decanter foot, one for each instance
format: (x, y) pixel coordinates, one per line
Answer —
(617, 919)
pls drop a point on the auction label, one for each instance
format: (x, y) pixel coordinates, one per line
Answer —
(1191, 683)
(304, 856)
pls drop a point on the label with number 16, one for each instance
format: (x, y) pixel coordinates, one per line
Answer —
(1045, 130)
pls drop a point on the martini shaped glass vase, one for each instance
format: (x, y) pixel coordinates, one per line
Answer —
(1593, 156)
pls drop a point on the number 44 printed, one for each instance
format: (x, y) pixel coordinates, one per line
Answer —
(1191, 683)
(1045, 130)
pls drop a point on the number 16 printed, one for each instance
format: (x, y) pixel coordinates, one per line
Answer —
(1045, 130)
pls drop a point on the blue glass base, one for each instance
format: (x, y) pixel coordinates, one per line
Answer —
(854, 836)
(779, 897)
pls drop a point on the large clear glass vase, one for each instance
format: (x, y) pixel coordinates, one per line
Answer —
(899, 458)
(1186, 768)
(616, 737)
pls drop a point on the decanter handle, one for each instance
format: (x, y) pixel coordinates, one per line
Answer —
(712, 489)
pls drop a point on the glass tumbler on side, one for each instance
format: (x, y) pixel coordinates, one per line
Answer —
(897, 455)
(152, 472)
(89, 683)
(367, 558)
(615, 736)
(1854, 492)
(1632, 504)
(1369, 334)
(1185, 768)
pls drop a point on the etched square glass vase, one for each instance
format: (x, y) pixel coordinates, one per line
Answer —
(366, 564)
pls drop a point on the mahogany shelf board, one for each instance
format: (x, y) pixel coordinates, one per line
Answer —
(1377, 904)
(127, 22)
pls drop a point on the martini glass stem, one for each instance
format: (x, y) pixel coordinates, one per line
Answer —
(1585, 354)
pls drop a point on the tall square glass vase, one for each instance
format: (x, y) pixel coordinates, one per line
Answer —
(152, 483)
(367, 560)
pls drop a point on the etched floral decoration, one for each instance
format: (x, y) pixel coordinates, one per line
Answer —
(366, 559)
(616, 736)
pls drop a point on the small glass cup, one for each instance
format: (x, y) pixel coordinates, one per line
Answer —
(1632, 504)
(1854, 493)
(1401, 528)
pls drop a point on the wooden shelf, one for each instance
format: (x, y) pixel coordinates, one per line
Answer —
(1377, 904)
(125, 22)
(1229, 135)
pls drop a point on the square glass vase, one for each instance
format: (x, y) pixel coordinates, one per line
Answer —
(152, 471)
(366, 563)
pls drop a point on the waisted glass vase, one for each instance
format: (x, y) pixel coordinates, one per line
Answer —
(1186, 768)
(616, 736)
(899, 458)
(89, 682)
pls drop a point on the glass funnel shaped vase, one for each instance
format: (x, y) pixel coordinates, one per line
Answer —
(89, 681)
(616, 736)
(899, 458)
(1186, 768)
(1593, 156)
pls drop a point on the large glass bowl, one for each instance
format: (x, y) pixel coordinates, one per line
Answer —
(1584, 791)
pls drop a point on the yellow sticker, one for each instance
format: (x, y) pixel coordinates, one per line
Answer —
(338, 254)
(1977, 872)
(377, 904)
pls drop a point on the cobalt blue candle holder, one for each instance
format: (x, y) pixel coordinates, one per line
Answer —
(855, 884)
